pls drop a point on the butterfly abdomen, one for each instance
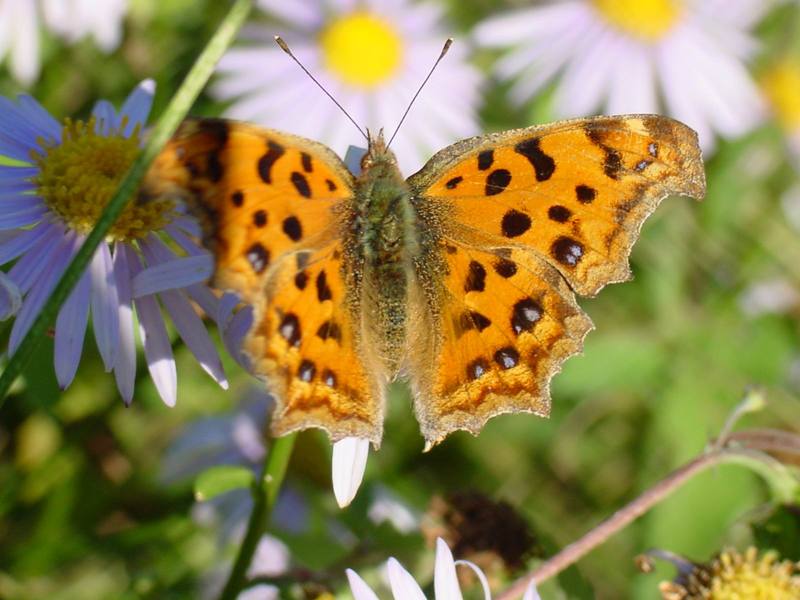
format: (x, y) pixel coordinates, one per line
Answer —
(382, 222)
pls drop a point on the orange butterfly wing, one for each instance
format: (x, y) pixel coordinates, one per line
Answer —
(271, 205)
(526, 217)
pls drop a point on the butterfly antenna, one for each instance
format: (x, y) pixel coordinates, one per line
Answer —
(285, 47)
(445, 48)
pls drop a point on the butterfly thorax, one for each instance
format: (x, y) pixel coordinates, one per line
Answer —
(383, 241)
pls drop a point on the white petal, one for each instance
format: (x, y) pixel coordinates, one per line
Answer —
(402, 583)
(531, 593)
(445, 580)
(348, 464)
(487, 593)
(358, 587)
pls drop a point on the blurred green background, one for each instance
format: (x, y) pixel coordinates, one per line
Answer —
(86, 510)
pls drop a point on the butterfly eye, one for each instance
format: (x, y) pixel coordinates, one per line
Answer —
(366, 162)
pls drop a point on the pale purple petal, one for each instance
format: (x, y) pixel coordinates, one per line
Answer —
(157, 349)
(71, 330)
(206, 300)
(176, 231)
(106, 117)
(358, 587)
(234, 333)
(20, 242)
(10, 297)
(125, 363)
(105, 305)
(193, 332)
(633, 86)
(173, 274)
(57, 262)
(21, 217)
(36, 114)
(137, 105)
(27, 270)
(12, 174)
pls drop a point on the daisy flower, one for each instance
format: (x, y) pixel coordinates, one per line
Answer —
(20, 22)
(445, 581)
(371, 56)
(51, 197)
(682, 57)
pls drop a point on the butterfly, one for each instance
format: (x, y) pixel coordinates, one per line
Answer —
(461, 278)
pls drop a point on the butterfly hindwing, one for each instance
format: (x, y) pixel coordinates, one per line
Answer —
(306, 344)
(503, 323)
(272, 209)
(518, 222)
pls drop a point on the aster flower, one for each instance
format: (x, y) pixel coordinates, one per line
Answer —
(371, 56)
(624, 55)
(51, 197)
(20, 23)
(732, 575)
(445, 581)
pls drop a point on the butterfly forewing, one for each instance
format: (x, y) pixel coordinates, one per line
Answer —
(272, 206)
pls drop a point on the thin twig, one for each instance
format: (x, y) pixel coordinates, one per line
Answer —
(265, 493)
(762, 440)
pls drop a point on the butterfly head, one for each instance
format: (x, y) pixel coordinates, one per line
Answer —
(378, 157)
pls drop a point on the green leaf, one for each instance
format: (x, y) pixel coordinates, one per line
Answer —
(220, 480)
(780, 531)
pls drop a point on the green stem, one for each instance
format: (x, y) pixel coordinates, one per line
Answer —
(178, 108)
(265, 492)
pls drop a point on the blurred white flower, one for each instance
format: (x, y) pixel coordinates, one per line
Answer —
(685, 58)
(445, 581)
(371, 56)
(21, 20)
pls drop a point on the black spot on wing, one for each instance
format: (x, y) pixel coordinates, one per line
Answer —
(305, 161)
(290, 329)
(265, 163)
(260, 218)
(485, 159)
(476, 278)
(258, 257)
(543, 164)
(515, 223)
(497, 181)
(301, 184)
(567, 251)
(525, 314)
(292, 228)
(323, 289)
(453, 183)
(585, 194)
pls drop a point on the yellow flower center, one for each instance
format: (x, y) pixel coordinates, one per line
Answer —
(649, 20)
(361, 49)
(736, 576)
(78, 177)
(781, 83)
